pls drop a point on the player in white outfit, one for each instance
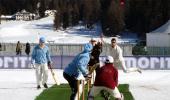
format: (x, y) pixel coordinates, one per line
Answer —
(117, 54)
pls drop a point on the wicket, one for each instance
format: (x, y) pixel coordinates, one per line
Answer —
(78, 89)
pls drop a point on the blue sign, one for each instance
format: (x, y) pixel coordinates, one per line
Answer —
(60, 62)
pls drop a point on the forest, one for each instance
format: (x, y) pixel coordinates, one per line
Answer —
(115, 16)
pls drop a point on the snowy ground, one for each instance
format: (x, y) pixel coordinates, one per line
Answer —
(20, 84)
(30, 31)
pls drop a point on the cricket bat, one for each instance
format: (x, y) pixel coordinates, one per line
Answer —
(93, 68)
(54, 76)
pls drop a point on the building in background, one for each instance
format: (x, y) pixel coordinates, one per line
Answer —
(50, 12)
(24, 15)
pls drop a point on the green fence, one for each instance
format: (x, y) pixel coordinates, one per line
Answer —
(158, 50)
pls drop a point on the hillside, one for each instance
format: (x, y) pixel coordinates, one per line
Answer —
(30, 31)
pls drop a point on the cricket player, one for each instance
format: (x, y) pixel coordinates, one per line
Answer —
(76, 68)
(41, 59)
(106, 79)
(117, 54)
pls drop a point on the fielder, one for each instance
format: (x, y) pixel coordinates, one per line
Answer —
(117, 54)
(76, 68)
(106, 79)
(41, 59)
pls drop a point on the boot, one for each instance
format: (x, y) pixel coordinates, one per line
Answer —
(139, 70)
(38, 86)
(45, 85)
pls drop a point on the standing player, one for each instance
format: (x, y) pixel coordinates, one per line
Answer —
(117, 55)
(76, 68)
(41, 58)
(106, 79)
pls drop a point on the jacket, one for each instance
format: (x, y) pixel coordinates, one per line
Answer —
(106, 76)
(41, 55)
(80, 62)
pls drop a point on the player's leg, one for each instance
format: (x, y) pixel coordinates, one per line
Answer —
(94, 91)
(128, 70)
(38, 75)
(73, 85)
(134, 69)
(115, 93)
(45, 74)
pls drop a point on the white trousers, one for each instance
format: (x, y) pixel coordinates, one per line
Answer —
(41, 73)
(125, 69)
(96, 90)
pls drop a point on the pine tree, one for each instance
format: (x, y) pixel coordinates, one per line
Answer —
(42, 8)
(91, 12)
(112, 18)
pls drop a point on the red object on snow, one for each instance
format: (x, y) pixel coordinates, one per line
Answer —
(122, 3)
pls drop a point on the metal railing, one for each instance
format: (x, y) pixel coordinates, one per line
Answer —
(62, 49)
(74, 49)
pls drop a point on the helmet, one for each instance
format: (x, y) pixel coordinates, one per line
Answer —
(109, 59)
(42, 40)
(88, 47)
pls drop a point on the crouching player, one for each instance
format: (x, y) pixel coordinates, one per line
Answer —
(106, 79)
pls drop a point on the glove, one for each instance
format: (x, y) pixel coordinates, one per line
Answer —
(87, 77)
(80, 77)
(32, 66)
(32, 62)
(49, 63)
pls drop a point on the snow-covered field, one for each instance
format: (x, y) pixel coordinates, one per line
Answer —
(30, 31)
(16, 84)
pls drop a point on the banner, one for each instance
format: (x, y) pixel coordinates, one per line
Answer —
(60, 62)
(149, 62)
(24, 62)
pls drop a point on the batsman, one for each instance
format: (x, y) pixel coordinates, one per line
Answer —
(76, 68)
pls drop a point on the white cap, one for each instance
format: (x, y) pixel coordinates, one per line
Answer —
(109, 59)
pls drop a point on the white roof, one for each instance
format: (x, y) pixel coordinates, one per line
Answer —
(163, 29)
(6, 16)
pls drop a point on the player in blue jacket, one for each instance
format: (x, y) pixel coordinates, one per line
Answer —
(41, 59)
(77, 67)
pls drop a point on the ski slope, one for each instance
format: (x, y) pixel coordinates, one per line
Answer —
(30, 31)
(17, 84)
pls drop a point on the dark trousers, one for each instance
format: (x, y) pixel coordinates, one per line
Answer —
(18, 53)
(73, 84)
